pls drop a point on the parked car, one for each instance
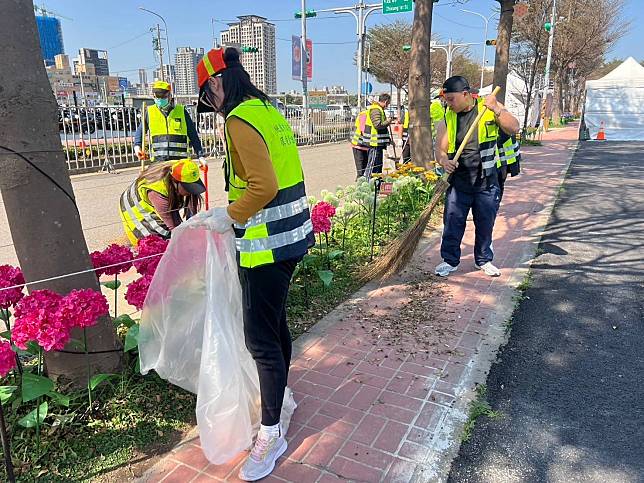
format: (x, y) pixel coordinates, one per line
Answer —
(338, 112)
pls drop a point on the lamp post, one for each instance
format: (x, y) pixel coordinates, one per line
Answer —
(450, 48)
(167, 43)
(486, 20)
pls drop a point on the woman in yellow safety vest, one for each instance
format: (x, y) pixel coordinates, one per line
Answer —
(151, 205)
(269, 210)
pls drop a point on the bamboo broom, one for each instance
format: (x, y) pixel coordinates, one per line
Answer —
(400, 251)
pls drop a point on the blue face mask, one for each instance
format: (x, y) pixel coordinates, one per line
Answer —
(162, 103)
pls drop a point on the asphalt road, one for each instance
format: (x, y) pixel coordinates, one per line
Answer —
(570, 382)
(325, 167)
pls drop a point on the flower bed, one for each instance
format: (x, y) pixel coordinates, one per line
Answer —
(62, 434)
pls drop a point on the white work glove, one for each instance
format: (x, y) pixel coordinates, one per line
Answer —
(202, 161)
(215, 219)
(220, 220)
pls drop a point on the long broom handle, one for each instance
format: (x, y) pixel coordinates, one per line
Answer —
(469, 133)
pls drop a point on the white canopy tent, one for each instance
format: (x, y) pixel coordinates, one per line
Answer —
(515, 97)
(617, 100)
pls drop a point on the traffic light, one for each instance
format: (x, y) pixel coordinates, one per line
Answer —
(308, 14)
(249, 49)
(490, 42)
(406, 48)
(547, 26)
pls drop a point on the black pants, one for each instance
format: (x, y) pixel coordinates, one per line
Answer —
(502, 174)
(375, 160)
(360, 157)
(484, 205)
(264, 292)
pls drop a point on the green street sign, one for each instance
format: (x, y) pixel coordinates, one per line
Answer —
(397, 6)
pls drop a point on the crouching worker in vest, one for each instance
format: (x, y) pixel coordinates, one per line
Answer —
(170, 128)
(151, 205)
(474, 182)
(269, 211)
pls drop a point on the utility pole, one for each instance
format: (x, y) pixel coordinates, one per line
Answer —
(545, 121)
(304, 69)
(37, 192)
(419, 85)
(502, 57)
(158, 46)
(487, 21)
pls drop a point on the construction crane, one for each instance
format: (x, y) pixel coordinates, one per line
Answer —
(41, 10)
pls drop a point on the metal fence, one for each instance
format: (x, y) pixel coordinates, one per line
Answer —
(102, 138)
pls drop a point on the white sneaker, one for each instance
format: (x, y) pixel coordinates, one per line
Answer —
(489, 269)
(444, 269)
(261, 461)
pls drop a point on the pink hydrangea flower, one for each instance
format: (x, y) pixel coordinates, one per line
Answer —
(150, 245)
(10, 276)
(111, 255)
(7, 358)
(36, 320)
(82, 308)
(321, 215)
(137, 291)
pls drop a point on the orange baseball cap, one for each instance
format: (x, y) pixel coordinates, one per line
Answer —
(210, 64)
(186, 172)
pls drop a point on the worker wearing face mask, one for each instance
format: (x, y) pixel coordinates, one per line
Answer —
(171, 129)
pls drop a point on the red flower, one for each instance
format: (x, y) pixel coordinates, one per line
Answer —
(82, 308)
(137, 291)
(321, 217)
(113, 254)
(10, 276)
(36, 320)
(150, 245)
(7, 358)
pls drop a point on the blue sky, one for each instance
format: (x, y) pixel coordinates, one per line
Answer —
(115, 26)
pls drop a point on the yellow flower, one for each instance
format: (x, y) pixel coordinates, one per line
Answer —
(418, 169)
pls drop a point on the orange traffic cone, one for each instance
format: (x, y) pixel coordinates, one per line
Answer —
(601, 135)
(82, 144)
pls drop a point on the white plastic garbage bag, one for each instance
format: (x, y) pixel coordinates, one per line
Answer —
(191, 334)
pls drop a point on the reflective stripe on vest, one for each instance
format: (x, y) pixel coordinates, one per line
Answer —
(488, 132)
(139, 216)
(509, 152)
(282, 230)
(375, 137)
(169, 135)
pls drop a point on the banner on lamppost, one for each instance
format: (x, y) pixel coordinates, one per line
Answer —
(297, 60)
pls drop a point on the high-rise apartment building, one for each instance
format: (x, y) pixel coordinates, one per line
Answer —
(97, 58)
(255, 31)
(51, 38)
(186, 60)
(143, 77)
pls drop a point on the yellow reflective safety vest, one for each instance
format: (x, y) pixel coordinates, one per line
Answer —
(139, 217)
(437, 114)
(358, 134)
(168, 134)
(282, 230)
(488, 133)
(509, 153)
(376, 137)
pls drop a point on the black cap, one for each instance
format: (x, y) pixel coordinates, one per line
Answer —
(195, 188)
(456, 83)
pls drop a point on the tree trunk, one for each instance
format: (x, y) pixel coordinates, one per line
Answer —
(419, 85)
(503, 47)
(43, 219)
(556, 99)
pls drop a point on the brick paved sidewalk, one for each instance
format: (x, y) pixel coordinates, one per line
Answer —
(384, 382)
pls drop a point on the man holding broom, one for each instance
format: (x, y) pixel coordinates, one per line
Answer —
(473, 178)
